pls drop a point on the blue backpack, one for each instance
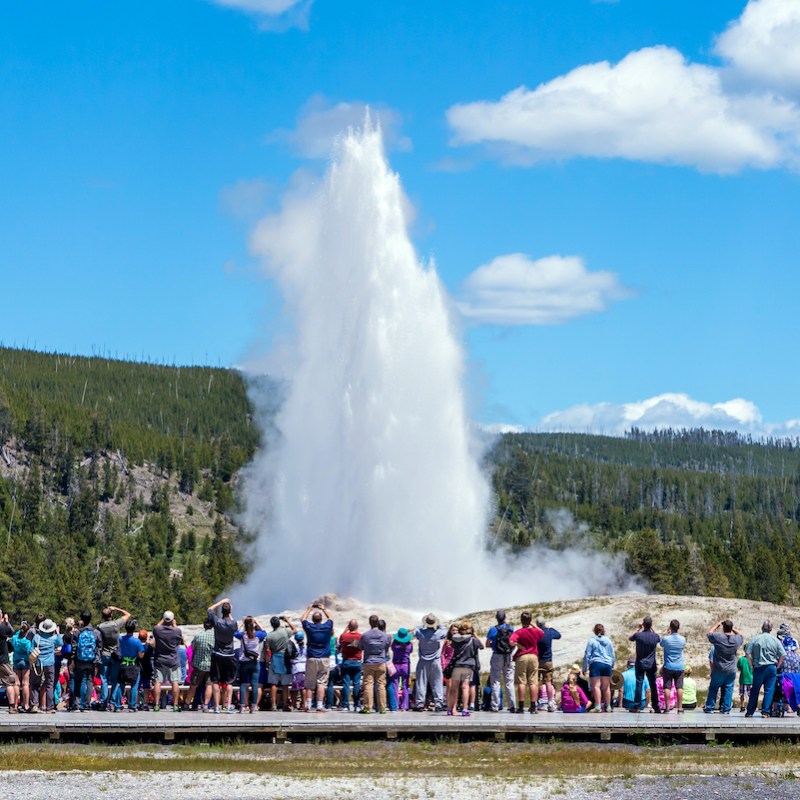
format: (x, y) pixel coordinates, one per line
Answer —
(86, 645)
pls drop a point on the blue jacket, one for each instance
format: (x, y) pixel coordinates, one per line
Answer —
(599, 650)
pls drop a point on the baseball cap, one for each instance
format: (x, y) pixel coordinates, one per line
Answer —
(168, 616)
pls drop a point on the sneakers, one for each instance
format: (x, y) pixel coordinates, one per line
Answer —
(230, 710)
(519, 710)
(466, 713)
(364, 711)
(217, 710)
(383, 711)
(450, 712)
(551, 706)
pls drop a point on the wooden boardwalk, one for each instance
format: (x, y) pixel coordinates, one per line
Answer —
(281, 727)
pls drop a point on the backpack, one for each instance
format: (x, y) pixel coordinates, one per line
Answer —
(502, 640)
(86, 645)
(291, 652)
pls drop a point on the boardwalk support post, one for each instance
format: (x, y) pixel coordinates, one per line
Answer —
(605, 736)
(499, 736)
(169, 736)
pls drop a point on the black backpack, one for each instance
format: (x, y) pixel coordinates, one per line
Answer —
(291, 652)
(502, 640)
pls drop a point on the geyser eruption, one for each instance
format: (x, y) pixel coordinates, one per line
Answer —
(371, 487)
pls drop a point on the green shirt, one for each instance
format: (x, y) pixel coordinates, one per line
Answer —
(689, 691)
(745, 671)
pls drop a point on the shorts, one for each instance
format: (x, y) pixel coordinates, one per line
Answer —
(545, 672)
(461, 674)
(168, 674)
(600, 670)
(526, 670)
(298, 681)
(198, 676)
(223, 669)
(744, 689)
(671, 676)
(278, 680)
(317, 670)
(7, 676)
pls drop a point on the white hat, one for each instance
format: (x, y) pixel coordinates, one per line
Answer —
(48, 626)
(168, 616)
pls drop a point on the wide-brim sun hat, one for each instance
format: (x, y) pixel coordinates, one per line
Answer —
(430, 620)
(617, 681)
(48, 626)
(403, 635)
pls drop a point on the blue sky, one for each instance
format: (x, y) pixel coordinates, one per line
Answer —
(609, 189)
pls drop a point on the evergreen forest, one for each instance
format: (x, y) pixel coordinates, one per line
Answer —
(118, 485)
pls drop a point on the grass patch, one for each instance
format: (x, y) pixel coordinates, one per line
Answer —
(409, 758)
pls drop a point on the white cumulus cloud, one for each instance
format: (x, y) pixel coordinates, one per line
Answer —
(517, 290)
(269, 12)
(656, 106)
(669, 410)
(764, 43)
(652, 106)
(320, 122)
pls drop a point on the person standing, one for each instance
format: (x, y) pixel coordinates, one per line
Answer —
(765, 654)
(279, 674)
(402, 647)
(8, 678)
(526, 661)
(85, 650)
(723, 665)
(168, 637)
(202, 647)
(549, 635)
(646, 640)
(131, 651)
(745, 670)
(318, 655)
(673, 645)
(501, 664)
(430, 637)
(598, 660)
(351, 665)
(464, 663)
(251, 637)
(223, 657)
(110, 629)
(374, 644)
(50, 641)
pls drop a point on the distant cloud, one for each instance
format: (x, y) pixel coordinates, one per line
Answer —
(764, 43)
(320, 122)
(656, 106)
(670, 410)
(517, 290)
(272, 14)
(244, 199)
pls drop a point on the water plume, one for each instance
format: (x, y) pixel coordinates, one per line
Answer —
(369, 484)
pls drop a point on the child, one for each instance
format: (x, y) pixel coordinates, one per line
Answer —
(745, 681)
(689, 690)
(573, 698)
(299, 669)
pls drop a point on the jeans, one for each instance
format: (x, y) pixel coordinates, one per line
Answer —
(501, 673)
(248, 677)
(401, 671)
(351, 675)
(83, 678)
(109, 676)
(119, 691)
(762, 676)
(651, 679)
(429, 672)
(720, 681)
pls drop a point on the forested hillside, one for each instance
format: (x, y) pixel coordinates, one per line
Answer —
(118, 485)
(117, 482)
(695, 512)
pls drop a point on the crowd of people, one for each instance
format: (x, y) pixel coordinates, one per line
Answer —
(235, 666)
